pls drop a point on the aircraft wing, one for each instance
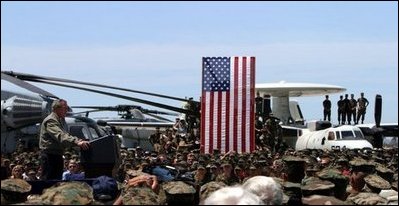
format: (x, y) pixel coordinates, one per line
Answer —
(387, 129)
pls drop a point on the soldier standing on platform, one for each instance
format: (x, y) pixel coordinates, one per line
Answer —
(347, 110)
(352, 107)
(362, 104)
(327, 109)
(341, 110)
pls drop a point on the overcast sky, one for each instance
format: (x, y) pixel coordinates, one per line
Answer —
(158, 46)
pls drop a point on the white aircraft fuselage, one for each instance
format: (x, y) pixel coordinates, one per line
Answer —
(345, 136)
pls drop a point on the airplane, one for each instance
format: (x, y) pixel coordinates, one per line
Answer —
(322, 134)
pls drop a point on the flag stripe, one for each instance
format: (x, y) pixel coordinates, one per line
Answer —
(252, 105)
(228, 130)
(219, 122)
(244, 109)
(211, 123)
(235, 114)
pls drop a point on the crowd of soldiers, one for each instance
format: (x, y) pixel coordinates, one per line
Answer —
(348, 109)
(175, 172)
(367, 176)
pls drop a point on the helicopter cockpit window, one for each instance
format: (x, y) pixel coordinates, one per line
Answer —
(79, 131)
(93, 133)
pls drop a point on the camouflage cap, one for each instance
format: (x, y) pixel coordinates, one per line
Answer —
(15, 185)
(375, 182)
(395, 185)
(68, 193)
(139, 196)
(178, 187)
(385, 172)
(293, 159)
(331, 174)
(135, 173)
(335, 176)
(359, 164)
(209, 188)
(317, 186)
(366, 198)
(291, 188)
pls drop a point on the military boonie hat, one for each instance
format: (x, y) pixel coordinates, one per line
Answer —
(14, 191)
(359, 164)
(367, 198)
(291, 188)
(178, 187)
(139, 196)
(209, 188)
(293, 159)
(15, 185)
(385, 172)
(375, 183)
(68, 193)
(317, 186)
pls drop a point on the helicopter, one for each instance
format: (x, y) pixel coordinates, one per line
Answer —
(21, 111)
(133, 125)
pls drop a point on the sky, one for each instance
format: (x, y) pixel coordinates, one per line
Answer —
(158, 47)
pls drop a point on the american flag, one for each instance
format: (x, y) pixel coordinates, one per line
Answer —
(227, 104)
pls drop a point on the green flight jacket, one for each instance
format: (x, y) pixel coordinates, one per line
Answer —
(54, 135)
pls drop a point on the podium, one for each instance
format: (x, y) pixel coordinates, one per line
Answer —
(102, 158)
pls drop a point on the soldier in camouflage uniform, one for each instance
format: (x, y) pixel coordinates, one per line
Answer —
(227, 176)
(352, 109)
(341, 110)
(270, 132)
(53, 137)
(155, 140)
(362, 104)
(208, 188)
(179, 193)
(340, 181)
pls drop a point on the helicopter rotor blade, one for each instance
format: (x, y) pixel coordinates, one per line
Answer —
(31, 77)
(99, 108)
(126, 107)
(159, 117)
(26, 85)
(84, 112)
(147, 111)
(164, 106)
